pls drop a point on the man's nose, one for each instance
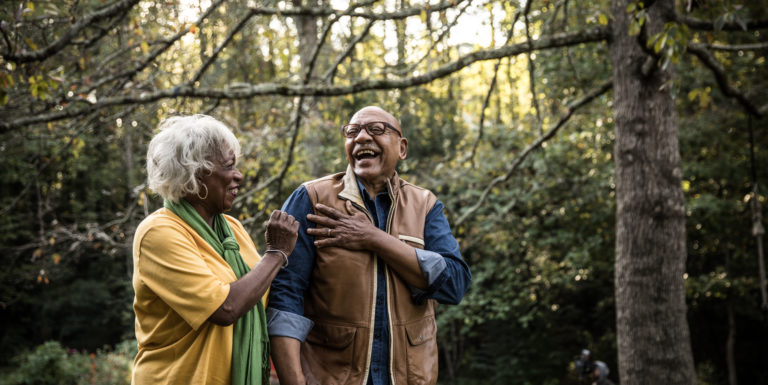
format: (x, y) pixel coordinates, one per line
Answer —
(363, 136)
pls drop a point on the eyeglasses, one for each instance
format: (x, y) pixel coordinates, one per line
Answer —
(372, 128)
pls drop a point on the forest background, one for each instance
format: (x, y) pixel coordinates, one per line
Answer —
(598, 162)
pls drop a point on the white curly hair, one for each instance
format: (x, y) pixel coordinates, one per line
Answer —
(185, 147)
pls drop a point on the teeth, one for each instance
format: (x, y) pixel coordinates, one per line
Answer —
(366, 152)
(234, 191)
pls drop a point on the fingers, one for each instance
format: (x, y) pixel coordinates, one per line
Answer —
(328, 211)
(320, 232)
(350, 209)
(281, 222)
(321, 220)
(327, 242)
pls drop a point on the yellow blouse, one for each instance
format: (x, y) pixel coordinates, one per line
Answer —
(179, 281)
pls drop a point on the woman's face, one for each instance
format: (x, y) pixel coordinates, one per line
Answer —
(222, 183)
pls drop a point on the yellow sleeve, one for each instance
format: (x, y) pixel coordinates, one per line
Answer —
(172, 266)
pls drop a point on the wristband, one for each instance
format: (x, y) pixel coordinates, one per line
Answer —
(285, 257)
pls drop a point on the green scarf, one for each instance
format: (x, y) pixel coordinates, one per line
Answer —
(250, 346)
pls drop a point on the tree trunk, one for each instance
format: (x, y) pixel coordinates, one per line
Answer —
(652, 331)
(730, 356)
(306, 27)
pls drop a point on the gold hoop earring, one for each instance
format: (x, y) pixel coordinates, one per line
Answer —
(206, 193)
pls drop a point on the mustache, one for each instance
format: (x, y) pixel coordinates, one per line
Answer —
(366, 147)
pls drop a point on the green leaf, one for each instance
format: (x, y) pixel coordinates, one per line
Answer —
(720, 22)
(31, 44)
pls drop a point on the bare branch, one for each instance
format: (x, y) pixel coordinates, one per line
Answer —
(328, 76)
(326, 11)
(151, 58)
(532, 69)
(247, 91)
(440, 38)
(487, 100)
(738, 47)
(707, 25)
(572, 107)
(220, 48)
(117, 8)
(324, 36)
(722, 79)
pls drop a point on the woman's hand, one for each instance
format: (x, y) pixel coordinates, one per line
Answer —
(282, 230)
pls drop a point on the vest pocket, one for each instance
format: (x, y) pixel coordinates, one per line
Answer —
(412, 241)
(330, 352)
(421, 351)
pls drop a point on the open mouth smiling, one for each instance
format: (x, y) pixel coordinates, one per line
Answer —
(366, 154)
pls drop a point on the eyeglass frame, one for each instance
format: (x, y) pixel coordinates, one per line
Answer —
(365, 126)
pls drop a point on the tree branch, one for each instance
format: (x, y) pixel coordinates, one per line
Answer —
(118, 8)
(706, 25)
(722, 79)
(329, 75)
(440, 38)
(151, 58)
(247, 91)
(220, 48)
(326, 11)
(572, 107)
(532, 69)
(487, 99)
(738, 47)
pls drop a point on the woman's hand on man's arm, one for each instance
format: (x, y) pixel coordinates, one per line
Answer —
(244, 293)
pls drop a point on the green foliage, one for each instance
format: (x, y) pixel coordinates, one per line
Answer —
(541, 247)
(671, 43)
(50, 363)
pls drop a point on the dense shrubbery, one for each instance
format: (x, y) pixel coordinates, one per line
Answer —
(50, 363)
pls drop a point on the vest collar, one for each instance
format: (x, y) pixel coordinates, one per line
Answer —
(351, 191)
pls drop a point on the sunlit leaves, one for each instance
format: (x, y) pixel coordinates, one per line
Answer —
(39, 86)
(639, 16)
(670, 43)
(702, 94)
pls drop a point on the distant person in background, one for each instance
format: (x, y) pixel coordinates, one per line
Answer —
(198, 278)
(591, 372)
(375, 254)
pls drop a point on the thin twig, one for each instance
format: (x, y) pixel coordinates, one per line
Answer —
(572, 107)
(722, 80)
(118, 8)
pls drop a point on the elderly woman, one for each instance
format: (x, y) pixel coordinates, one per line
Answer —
(198, 278)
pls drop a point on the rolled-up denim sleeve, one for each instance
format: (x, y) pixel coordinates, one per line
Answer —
(432, 264)
(440, 261)
(286, 295)
(287, 324)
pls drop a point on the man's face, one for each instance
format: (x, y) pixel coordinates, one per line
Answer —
(373, 157)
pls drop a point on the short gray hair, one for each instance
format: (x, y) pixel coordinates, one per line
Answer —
(185, 146)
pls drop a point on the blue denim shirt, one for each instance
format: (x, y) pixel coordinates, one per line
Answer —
(440, 261)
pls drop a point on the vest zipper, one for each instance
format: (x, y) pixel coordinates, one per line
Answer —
(373, 302)
(390, 216)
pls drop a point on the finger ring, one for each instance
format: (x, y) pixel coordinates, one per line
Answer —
(329, 232)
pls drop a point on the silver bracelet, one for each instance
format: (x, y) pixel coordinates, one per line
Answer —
(285, 257)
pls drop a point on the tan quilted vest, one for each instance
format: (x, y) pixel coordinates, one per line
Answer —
(341, 296)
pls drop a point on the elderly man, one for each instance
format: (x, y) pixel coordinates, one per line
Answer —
(373, 255)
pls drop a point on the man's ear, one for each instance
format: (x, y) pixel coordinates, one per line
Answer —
(403, 148)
